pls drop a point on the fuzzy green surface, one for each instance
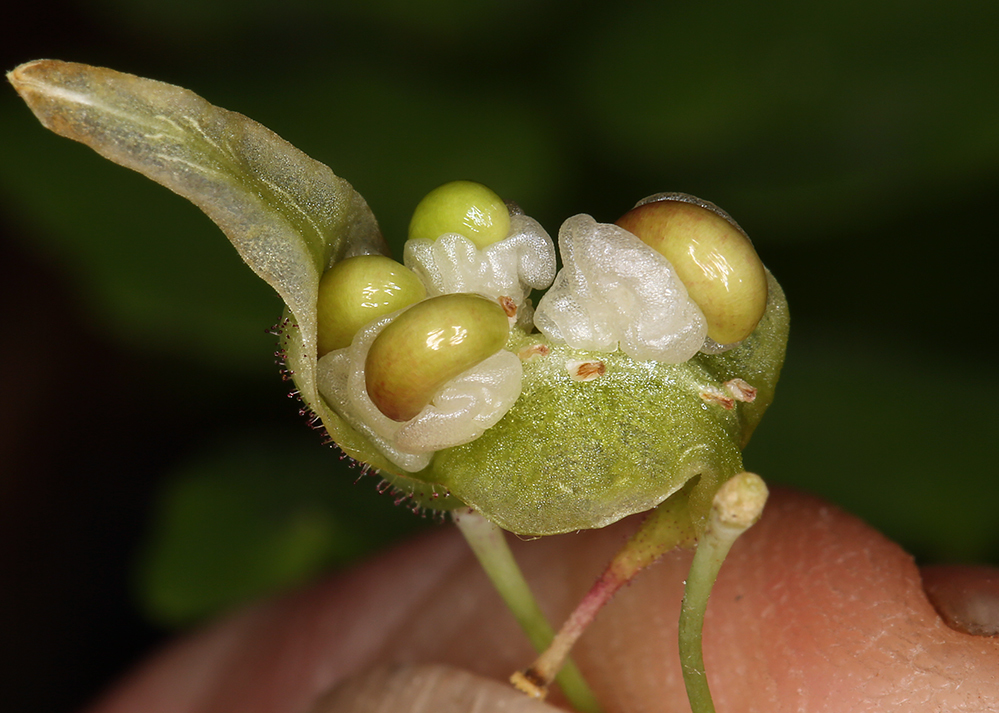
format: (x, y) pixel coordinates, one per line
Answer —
(575, 455)
(581, 454)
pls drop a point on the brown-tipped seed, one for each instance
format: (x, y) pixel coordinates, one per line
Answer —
(428, 345)
(359, 290)
(715, 261)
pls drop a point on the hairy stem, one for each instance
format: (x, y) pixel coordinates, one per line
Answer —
(490, 547)
(736, 507)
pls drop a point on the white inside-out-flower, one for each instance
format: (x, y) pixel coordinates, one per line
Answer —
(614, 291)
(458, 413)
(511, 267)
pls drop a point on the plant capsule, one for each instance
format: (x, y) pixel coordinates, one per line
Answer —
(358, 290)
(714, 259)
(428, 345)
(464, 207)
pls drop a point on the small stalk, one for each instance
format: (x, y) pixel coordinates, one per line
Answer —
(490, 547)
(736, 507)
(666, 527)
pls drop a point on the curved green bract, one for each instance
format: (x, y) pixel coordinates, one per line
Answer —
(289, 216)
(570, 454)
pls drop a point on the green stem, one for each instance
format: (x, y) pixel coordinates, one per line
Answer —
(490, 547)
(736, 507)
(666, 527)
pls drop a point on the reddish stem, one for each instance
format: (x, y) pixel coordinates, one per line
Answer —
(666, 527)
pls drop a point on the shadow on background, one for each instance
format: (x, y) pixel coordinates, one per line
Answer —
(153, 473)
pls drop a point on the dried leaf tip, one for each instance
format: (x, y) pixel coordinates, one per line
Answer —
(17, 75)
(20, 77)
(32, 80)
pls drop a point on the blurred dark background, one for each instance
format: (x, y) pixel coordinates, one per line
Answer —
(152, 470)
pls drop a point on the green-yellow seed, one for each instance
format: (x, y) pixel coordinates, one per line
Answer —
(428, 345)
(715, 261)
(358, 290)
(462, 207)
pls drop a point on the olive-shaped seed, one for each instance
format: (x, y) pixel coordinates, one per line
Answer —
(428, 345)
(464, 207)
(358, 290)
(715, 261)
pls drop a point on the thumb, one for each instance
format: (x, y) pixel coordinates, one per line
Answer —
(813, 611)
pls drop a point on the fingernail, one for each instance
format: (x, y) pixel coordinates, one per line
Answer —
(965, 596)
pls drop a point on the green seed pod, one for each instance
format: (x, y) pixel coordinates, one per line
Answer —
(358, 290)
(592, 437)
(427, 346)
(559, 438)
(462, 207)
(713, 257)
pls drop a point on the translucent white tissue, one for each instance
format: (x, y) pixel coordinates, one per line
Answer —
(460, 412)
(512, 267)
(615, 291)
(466, 406)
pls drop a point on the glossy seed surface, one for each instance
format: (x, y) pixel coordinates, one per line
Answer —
(715, 261)
(358, 290)
(464, 207)
(428, 345)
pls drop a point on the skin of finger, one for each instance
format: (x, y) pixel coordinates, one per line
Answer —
(425, 688)
(813, 611)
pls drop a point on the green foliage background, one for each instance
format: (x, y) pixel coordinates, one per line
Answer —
(857, 143)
